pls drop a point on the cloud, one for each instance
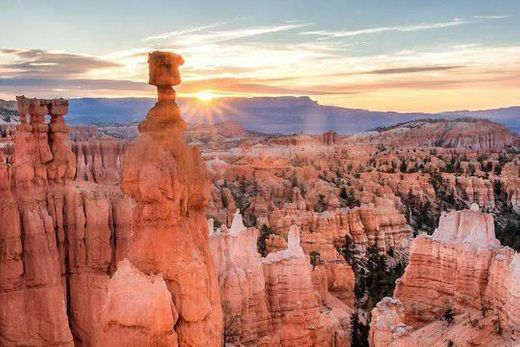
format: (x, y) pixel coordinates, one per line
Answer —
(201, 35)
(490, 17)
(411, 69)
(225, 86)
(400, 28)
(240, 61)
(176, 33)
(240, 86)
(99, 84)
(293, 69)
(445, 83)
(41, 63)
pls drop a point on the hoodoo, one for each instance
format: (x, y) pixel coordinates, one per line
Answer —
(170, 186)
(33, 309)
(278, 300)
(460, 275)
(88, 263)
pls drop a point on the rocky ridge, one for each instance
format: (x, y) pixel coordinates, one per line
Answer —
(278, 300)
(461, 268)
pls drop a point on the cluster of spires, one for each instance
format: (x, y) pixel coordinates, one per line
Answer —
(37, 109)
(294, 249)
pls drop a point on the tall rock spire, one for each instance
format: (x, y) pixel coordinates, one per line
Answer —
(170, 186)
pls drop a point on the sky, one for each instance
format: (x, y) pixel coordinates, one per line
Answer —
(400, 55)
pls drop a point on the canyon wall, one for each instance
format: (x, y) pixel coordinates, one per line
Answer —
(32, 298)
(279, 300)
(247, 319)
(378, 224)
(99, 161)
(462, 268)
(61, 240)
(83, 261)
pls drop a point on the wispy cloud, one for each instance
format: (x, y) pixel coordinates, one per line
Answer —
(274, 60)
(399, 28)
(411, 69)
(201, 35)
(490, 17)
(177, 33)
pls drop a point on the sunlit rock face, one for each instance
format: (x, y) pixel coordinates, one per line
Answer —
(472, 189)
(148, 321)
(99, 161)
(58, 239)
(461, 267)
(378, 224)
(386, 325)
(32, 299)
(476, 134)
(80, 259)
(170, 186)
(278, 300)
(247, 319)
(387, 329)
(451, 268)
(510, 180)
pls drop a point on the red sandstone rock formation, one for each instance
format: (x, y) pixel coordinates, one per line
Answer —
(472, 190)
(32, 298)
(278, 300)
(99, 161)
(380, 225)
(62, 240)
(461, 267)
(510, 180)
(141, 308)
(386, 325)
(170, 186)
(478, 134)
(388, 330)
(329, 138)
(293, 302)
(247, 319)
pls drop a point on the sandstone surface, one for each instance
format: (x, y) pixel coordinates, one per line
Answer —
(463, 268)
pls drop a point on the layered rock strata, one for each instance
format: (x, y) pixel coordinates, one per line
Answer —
(170, 186)
(63, 277)
(463, 268)
(99, 161)
(380, 225)
(32, 297)
(275, 301)
(247, 319)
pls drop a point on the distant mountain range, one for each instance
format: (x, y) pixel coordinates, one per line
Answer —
(282, 115)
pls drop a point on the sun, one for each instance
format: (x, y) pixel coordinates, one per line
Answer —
(205, 96)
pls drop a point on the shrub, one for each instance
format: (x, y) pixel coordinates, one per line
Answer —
(348, 198)
(265, 231)
(448, 316)
(497, 326)
(315, 257)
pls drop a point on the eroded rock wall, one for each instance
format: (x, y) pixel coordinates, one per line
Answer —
(462, 268)
(279, 300)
